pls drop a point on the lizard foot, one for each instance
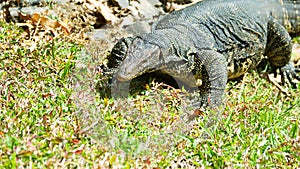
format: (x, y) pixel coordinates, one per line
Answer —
(288, 75)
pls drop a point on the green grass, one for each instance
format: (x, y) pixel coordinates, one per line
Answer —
(50, 117)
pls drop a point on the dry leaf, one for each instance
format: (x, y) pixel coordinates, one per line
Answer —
(296, 54)
(75, 141)
(78, 152)
(25, 153)
(105, 11)
(46, 22)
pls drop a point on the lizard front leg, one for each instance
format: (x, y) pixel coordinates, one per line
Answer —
(211, 67)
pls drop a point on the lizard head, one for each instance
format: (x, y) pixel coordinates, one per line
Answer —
(142, 57)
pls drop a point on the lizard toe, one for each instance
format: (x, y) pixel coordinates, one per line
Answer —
(288, 74)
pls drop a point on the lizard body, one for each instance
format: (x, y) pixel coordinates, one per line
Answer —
(210, 42)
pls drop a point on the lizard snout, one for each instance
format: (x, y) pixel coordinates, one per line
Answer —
(122, 76)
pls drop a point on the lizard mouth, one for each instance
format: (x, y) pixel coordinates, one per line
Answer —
(122, 77)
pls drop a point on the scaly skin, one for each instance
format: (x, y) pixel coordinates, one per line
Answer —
(210, 42)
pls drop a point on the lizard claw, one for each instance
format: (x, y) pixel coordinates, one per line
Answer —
(290, 73)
